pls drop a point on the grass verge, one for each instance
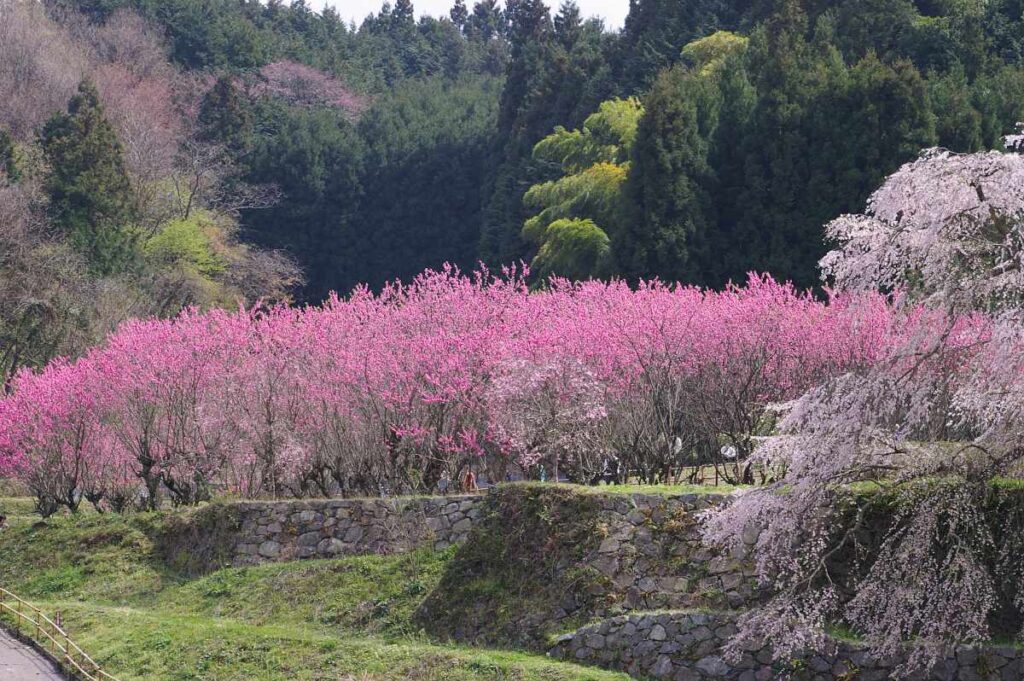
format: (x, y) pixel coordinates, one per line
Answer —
(348, 619)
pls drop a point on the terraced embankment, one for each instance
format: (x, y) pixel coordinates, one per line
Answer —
(128, 594)
(527, 582)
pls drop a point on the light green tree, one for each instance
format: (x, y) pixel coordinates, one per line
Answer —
(573, 215)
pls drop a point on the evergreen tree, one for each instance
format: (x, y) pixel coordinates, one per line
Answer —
(579, 77)
(683, 143)
(668, 180)
(743, 155)
(524, 116)
(459, 13)
(403, 14)
(890, 120)
(453, 124)
(1004, 24)
(316, 158)
(568, 24)
(547, 84)
(8, 166)
(776, 149)
(999, 98)
(820, 137)
(719, 248)
(225, 117)
(655, 30)
(88, 185)
(486, 22)
(731, 175)
(879, 26)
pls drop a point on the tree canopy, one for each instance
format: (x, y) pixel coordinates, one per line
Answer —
(577, 212)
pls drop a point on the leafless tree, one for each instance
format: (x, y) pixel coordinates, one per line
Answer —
(40, 66)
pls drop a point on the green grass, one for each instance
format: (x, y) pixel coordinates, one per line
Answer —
(364, 594)
(141, 615)
(138, 644)
(665, 490)
(103, 559)
(18, 509)
(348, 619)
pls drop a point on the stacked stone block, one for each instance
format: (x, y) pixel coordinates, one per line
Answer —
(688, 646)
(654, 558)
(280, 531)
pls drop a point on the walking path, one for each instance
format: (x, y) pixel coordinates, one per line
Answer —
(19, 662)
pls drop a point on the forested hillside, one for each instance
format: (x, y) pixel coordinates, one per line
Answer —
(163, 154)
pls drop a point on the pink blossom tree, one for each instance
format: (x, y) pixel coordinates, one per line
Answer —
(51, 436)
(407, 390)
(303, 85)
(552, 412)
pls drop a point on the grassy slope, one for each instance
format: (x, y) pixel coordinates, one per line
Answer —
(524, 576)
(664, 490)
(340, 619)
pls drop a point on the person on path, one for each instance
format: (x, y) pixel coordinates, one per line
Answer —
(469, 481)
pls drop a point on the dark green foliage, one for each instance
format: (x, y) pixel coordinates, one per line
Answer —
(521, 569)
(403, 13)
(568, 24)
(459, 14)
(524, 116)
(557, 76)
(243, 34)
(8, 166)
(776, 148)
(316, 159)
(486, 21)
(971, 116)
(204, 33)
(225, 117)
(732, 171)
(383, 199)
(669, 181)
(880, 26)
(737, 167)
(1004, 24)
(656, 30)
(427, 143)
(88, 186)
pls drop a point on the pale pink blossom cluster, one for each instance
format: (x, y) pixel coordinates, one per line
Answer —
(406, 390)
(936, 224)
(306, 86)
(883, 521)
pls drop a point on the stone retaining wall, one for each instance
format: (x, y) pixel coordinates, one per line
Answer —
(576, 557)
(687, 646)
(647, 554)
(654, 557)
(651, 556)
(279, 531)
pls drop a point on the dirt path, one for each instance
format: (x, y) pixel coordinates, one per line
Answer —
(18, 662)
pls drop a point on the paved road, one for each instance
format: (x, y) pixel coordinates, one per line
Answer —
(19, 662)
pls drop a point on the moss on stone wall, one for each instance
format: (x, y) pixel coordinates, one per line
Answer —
(199, 541)
(522, 574)
(544, 559)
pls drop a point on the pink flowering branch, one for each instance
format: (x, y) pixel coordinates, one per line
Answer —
(407, 390)
(926, 424)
